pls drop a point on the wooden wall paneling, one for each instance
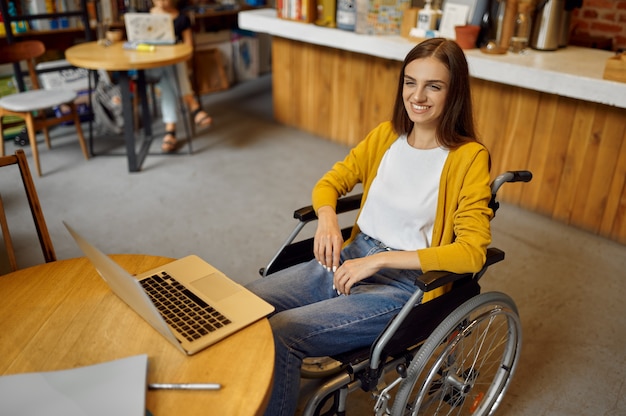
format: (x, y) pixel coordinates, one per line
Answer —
(351, 75)
(519, 137)
(594, 177)
(490, 111)
(560, 132)
(481, 93)
(380, 93)
(306, 89)
(613, 223)
(360, 96)
(340, 89)
(576, 144)
(540, 157)
(618, 229)
(283, 80)
(336, 100)
(501, 123)
(325, 106)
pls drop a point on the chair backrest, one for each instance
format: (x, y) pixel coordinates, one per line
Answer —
(47, 247)
(23, 51)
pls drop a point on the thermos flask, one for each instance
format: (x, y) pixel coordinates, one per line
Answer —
(547, 27)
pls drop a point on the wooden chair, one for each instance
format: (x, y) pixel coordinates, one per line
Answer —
(47, 248)
(24, 104)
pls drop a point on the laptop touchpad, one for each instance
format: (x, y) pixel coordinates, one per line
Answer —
(215, 287)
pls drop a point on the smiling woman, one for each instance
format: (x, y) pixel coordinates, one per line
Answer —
(447, 76)
(425, 207)
(424, 93)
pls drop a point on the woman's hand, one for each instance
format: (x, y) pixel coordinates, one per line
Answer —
(328, 239)
(353, 271)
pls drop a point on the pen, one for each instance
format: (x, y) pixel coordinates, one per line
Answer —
(184, 386)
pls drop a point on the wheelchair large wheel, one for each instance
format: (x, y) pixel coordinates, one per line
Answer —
(465, 366)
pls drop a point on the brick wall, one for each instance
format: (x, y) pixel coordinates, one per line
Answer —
(601, 19)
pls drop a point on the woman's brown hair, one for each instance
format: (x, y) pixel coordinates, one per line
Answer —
(457, 121)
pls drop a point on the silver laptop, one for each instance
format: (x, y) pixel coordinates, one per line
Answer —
(212, 306)
(153, 29)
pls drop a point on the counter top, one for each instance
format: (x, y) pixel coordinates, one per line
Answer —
(571, 72)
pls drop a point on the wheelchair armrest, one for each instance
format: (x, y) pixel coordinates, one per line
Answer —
(345, 204)
(434, 279)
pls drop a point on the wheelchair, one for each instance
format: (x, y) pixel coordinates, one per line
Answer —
(453, 355)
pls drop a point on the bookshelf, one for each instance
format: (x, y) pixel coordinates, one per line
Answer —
(42, 16)
(49, 21)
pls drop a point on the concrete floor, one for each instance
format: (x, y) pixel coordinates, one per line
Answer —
(231, 202)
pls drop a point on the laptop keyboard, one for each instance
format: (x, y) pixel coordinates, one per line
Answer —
(189, 315)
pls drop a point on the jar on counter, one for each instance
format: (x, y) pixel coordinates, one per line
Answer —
(346, 14)
(521, 29)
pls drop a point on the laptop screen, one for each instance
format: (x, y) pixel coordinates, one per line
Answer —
(154, 29)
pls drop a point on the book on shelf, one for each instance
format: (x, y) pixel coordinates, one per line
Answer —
(32, 7)
(299, 10)
(37, 7)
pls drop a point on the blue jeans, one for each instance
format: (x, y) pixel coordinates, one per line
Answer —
(170, 92)
(311, 320)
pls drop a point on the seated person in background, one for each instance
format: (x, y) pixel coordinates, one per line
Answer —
(426, 192)
(182, 29)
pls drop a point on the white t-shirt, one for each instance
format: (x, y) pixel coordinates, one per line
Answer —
(402, 201)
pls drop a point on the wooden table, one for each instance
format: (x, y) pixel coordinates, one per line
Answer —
(61, 315)
(93, 56)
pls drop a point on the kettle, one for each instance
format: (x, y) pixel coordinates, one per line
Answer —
(546, 32)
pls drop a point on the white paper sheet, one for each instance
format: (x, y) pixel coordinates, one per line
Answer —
(112, 388)
(453, 15)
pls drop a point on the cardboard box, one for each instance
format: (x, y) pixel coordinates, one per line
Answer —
(615, 68)
(76, 79)
(209, 40)
(246, 57)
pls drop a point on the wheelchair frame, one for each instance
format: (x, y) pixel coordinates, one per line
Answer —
(446, 323)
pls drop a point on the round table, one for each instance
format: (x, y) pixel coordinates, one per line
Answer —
(61, 315)
(114, 57)
(94, 56)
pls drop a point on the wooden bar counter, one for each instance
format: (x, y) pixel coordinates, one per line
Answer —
(549, 112)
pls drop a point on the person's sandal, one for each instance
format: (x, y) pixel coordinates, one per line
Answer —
(169, 142)
(204, 120)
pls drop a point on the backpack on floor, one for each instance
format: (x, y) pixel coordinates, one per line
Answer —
(107, 107)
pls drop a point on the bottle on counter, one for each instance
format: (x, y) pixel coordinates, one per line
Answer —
(427, 17)
(326, 13)
(438, 13)
(346, 14)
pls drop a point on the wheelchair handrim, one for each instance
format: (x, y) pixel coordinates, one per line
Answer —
(491, 399)
(496, 363)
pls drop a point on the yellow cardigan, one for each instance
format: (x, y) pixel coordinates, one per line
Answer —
(461, 231)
